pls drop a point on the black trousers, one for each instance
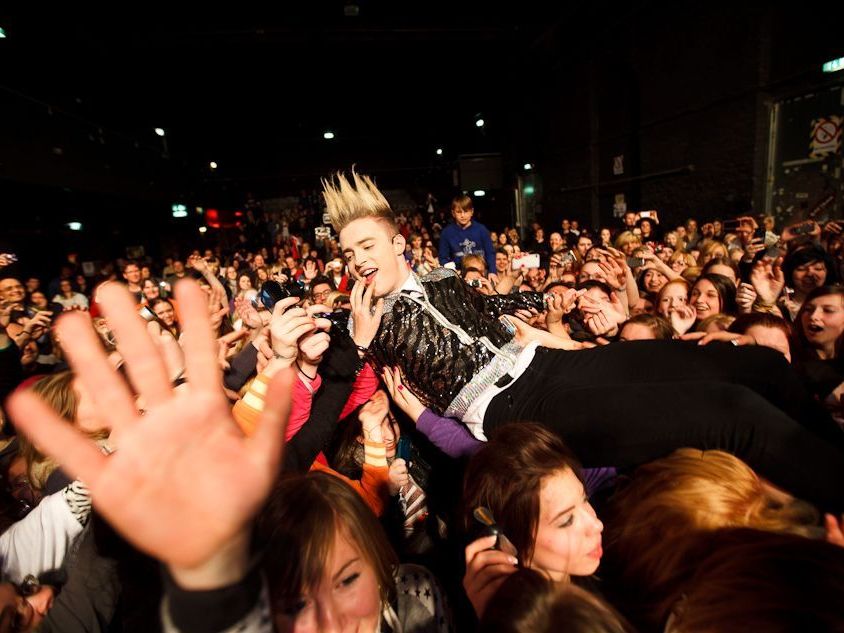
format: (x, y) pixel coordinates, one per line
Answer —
(629, 403)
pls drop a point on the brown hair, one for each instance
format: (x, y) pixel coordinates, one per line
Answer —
(758, 581)
(506, 476)
(297, 530)
(660, 326)
(530, 602)
(463, 202)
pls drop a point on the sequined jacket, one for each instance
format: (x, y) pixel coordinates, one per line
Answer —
(444, 339)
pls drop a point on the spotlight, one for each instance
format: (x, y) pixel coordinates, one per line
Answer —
(479, 193)
(159, 131)
(203, 229)
(212, 165)
(479, 123)
(74, 226)
(328, 135)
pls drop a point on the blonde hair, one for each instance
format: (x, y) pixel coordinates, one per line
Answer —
(652, 519)
(347, 201)
(625, 238)
(57, 392)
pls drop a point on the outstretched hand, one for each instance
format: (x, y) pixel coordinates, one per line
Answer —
(184, 483)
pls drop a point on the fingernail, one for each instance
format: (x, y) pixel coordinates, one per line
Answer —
(401, 388)
(513, 560)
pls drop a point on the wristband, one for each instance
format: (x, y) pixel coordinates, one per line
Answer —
(362, 349)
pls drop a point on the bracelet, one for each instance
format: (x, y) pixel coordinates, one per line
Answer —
(301, 371)
(361, 348)
(280, 357)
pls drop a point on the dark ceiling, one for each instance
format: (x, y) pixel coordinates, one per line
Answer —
(255, 94)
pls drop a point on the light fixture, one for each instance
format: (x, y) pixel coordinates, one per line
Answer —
(212, 165)
(179, 211)
(834, 65)
(528, 166)
(439, 151)
(2, 34)
(74, 226)
(203, 229)
(328, 135)
(159, 131)
(479, 193)
(479, 123)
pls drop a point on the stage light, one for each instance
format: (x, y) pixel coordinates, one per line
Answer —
(159, 131)
(74, 226)
(479, 193)
(328, 135)
(479, 123)
(834, 65)
(203, 229)
(439, 151)
(528, 166)
(212, 165)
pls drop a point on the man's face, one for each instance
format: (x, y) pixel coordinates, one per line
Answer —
(462, 217)
(566, 225)
(555, 241)
(178, 267)
(629, 219)
(11, 290)
(372, 255)
(32, 284)
(320, 293)
(583, 245)
(132, 274)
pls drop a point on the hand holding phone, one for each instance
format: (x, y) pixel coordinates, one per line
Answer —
(526, 261)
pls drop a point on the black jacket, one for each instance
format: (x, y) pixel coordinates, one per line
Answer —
(436, 362)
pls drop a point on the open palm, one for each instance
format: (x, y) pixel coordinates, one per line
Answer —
(183, 480)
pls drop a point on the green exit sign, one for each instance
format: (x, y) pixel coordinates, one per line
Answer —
(834, 65)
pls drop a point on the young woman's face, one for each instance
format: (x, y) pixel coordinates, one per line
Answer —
(165, 312)
(150, 289)
(705, 299)
(772, 337)
(502, 262)
(346, 600)
(654, 280)
(244, 283)
(605, 236)
(371, 253)
(823, 320)
(568, 536)
(809, 276)
(673, 298)
(502, 239)
(38, 299)
(262, 274)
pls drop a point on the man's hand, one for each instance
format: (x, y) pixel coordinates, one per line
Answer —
(366, 313)
(185, 483)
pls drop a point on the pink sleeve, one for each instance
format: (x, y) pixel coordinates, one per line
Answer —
(365, 385)
(300, 409)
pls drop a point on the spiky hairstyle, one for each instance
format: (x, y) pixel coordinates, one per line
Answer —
(348, 199)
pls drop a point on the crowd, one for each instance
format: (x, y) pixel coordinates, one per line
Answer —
(418, 424)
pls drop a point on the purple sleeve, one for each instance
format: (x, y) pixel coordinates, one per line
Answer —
(448, 435)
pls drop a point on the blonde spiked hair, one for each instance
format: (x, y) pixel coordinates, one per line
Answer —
(346, 200)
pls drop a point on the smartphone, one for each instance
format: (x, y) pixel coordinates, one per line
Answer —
(488, 527)
(635, 262)
(526, 261)
(508, 324)
(804, 228)
(474, 283)
(759, 234)
(150, 316)
(403, 449)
